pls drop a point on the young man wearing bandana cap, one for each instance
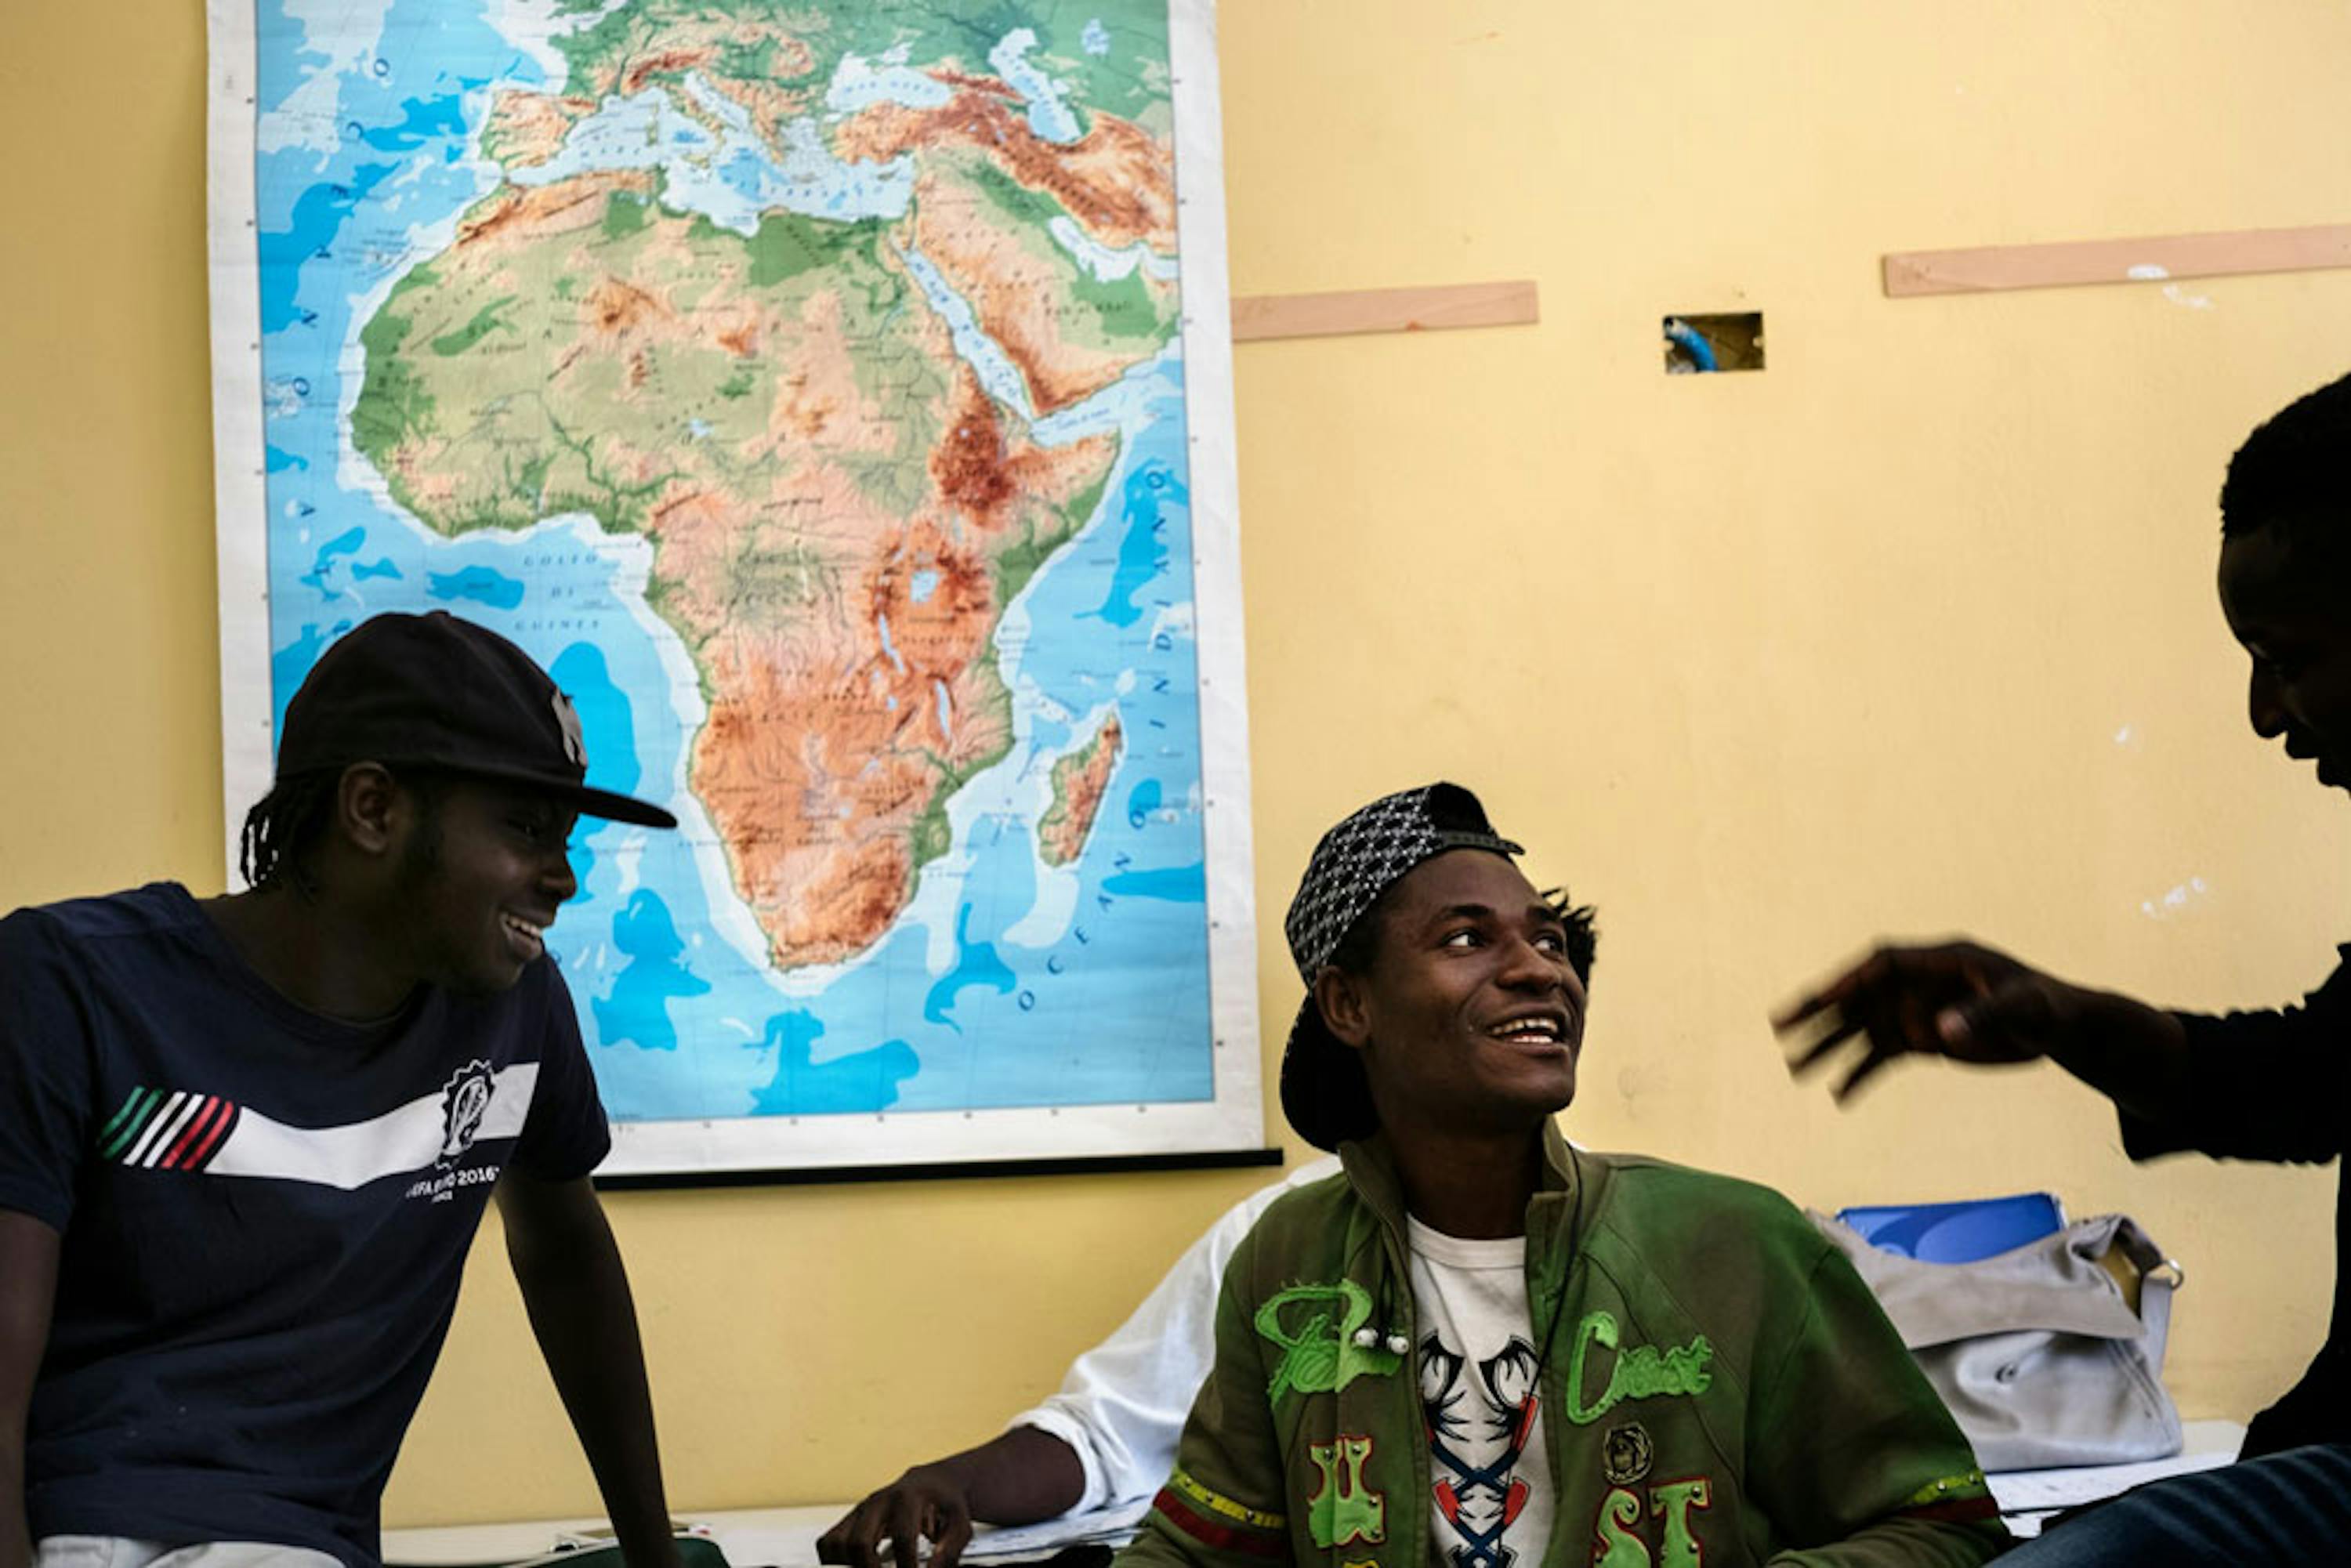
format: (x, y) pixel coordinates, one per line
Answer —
(244, 1142)
(1479, 1347)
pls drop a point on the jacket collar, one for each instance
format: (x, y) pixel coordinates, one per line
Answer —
(1371, 1169)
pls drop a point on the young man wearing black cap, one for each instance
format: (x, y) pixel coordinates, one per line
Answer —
(244, 1142)
(1481, 1347)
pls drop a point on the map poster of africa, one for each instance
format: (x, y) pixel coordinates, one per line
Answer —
(835, 396)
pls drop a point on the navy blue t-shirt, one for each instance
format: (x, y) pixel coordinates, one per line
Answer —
(266, 1214)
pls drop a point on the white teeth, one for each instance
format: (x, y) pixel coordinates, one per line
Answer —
(525, 928)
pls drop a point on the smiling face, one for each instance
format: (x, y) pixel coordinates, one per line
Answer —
(2288, 612)
(1469, 1016)
(482, 870)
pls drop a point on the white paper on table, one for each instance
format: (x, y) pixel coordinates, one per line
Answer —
(1111, 1526)
(2026, 1497)
(793, 1544)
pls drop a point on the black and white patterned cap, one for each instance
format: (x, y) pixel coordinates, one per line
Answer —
(1323, 1092)
(1369, 853)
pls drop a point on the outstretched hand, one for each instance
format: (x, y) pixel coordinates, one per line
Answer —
(1957, 999)
(927, 1503)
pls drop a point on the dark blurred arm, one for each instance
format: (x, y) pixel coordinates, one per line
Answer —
(1970, 1003)
(577, 1293)
(28, 1281)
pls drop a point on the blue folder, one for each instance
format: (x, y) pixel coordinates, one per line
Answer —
(1958, 1232)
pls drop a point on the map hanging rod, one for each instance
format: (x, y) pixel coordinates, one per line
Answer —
(2153, 260)
(1258, 317)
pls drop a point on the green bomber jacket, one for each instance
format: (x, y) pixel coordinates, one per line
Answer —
(1717, 1387)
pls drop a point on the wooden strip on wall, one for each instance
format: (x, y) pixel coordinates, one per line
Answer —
(2116, 260)
(1258, 317)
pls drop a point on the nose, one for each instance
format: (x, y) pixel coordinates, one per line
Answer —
(2263, 705)
(557, 876)
(1529, 966)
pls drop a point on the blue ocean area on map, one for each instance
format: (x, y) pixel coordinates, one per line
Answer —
(317, 216)
(424, 120)
(637, 1009)
(977, 965)
(1007, 981)
(479, 583)
(345, 543)
(735, 182)
(864, 1080)
(608, 731)
(1143, 552)
(1181, 884)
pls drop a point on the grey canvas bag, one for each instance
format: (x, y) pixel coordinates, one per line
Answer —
(2036, 1351)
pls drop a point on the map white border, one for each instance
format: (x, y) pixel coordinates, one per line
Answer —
(1234, 1120)
(240, 486)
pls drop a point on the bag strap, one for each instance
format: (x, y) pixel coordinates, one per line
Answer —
(2155, 1288)
(2158, 1275)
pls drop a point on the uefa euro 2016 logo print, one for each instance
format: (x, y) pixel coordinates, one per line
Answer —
(465, 1099)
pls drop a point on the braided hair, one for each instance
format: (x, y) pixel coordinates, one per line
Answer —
(283, 825)
(281, 828)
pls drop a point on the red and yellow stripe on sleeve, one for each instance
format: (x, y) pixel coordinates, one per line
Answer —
(1214, 1519)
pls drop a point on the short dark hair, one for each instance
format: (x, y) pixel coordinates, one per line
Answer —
(1359, 949)
(285, 824)
(2294, 473)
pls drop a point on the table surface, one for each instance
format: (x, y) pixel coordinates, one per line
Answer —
(2028, 1497)
(785, 1537)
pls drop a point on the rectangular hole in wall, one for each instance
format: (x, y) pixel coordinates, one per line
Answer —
(1695, 344)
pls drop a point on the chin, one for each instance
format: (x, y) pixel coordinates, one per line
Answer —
(1560, 1092)
(1545, 1101)
(478, 983)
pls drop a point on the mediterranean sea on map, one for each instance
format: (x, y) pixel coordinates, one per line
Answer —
(802, 385)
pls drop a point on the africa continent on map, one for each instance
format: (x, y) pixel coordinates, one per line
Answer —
(805, 385)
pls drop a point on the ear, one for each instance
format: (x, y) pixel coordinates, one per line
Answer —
(367, 805)
(1346, 1009)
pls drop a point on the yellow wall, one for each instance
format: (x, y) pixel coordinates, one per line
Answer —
(1912, 632)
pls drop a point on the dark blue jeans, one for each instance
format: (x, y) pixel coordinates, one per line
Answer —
(2293, 1507)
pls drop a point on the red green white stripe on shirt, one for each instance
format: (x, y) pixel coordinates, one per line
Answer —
(186, 1130)
(175, 1131)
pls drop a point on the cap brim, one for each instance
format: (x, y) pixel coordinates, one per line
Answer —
(581, 798)
(1466, 840)
(618, 808)
(1324, 1095)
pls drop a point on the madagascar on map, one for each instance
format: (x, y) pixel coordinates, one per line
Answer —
(805, 386)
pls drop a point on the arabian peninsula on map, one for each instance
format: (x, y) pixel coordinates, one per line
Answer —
(802, 384)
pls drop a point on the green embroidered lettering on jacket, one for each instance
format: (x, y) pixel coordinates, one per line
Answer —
(1672, 1502)
(1641, 1371)
(1616, 1539)
(1318, 1358)
(1613, 1544)
(1342, 1511)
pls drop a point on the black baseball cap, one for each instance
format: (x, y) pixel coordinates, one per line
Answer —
(435, 691)
(1323, 1092)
